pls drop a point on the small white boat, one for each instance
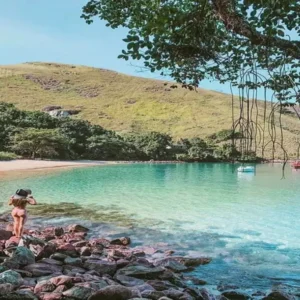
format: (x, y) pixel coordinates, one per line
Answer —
(246, 169)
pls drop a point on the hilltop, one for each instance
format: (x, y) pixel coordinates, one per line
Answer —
(126, 103)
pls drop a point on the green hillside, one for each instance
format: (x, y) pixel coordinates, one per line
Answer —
(125, 103)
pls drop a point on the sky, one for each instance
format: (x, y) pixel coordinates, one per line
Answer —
(52, 31)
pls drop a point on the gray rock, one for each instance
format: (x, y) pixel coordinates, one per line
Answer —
(101, 266)
(77, 228)
(12, 277)
(141, 272)
(51, 261)
(41, 269)
(178, 295)
(78, 293)
(73, 261)
(59, 256)
(161, 285)
(155, 295)
(128, 281)
(116, 292)
(171, 264)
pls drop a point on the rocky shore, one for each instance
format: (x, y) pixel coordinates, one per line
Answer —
(62, 263)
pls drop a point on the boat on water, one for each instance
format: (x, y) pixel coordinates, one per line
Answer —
(247, 169)
(296, 165)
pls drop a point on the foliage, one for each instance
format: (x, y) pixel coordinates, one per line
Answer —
(8, 156)
(227, 152)
(224, 135)
(220, 39)
(155, 145)
(35, 142)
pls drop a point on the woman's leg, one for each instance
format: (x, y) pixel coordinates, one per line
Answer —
(16, 224)
(21, 225)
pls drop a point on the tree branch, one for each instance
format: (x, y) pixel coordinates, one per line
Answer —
(234, 22)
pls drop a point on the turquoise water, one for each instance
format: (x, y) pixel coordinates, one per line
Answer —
(248, 223)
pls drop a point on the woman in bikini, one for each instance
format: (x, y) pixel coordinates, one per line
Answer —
(19, 200)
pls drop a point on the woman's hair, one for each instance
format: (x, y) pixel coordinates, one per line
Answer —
(19, 202)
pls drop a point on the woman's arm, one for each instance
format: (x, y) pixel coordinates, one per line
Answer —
(10, 201)
(31, 200)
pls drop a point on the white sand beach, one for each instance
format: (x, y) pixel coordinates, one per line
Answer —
(17, 165)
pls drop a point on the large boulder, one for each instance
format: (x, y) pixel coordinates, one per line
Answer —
(235, 295)
(123, 241)
(62, 280)
(101, 266)
(42, 251)
(116, 292)
(277, 295)
(11, 277)
(23, 256)
(141, 272)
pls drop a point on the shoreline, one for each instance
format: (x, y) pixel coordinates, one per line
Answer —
(55, 262)
(26, 164)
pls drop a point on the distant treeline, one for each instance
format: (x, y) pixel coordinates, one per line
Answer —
(34, 134)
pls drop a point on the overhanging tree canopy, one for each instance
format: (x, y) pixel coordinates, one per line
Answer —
(250, 43)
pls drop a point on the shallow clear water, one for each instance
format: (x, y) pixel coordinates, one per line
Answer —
(249, 223)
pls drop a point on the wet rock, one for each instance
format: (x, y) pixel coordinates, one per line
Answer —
(193, 261)
(11, 277)
(225, 287)
(116, 292)
(77, 228)
(171, 264)
(194, 280)
(5, 234)
(58, 231)
(59, 256)
(44, 286)
(121, 241)
(85, 251)
(207, 296)
(128, 281)
(78, 293)
(41, 269)
(235, 295)
(178, 295)
(73, 261)
(101, 266)
(23, 256)
(277, 295)
(9, 263)
(60, 289)
(141, 272)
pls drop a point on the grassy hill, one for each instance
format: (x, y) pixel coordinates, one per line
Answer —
(125, 103)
